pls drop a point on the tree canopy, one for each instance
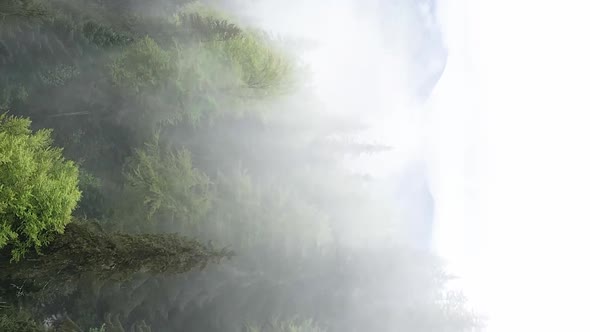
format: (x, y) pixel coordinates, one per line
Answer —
(158, 126)
(38, 187)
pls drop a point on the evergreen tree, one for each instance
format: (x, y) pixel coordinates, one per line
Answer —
(85, 247)
(162, 190)
(38, 188)
(109, 75)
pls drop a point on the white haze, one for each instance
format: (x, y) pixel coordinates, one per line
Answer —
(353, 71)
(504, 136)
(525, 66)
(357, 72)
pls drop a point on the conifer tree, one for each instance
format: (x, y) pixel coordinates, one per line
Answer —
(38, 188)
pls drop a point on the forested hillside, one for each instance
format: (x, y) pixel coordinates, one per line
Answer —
(164, 168)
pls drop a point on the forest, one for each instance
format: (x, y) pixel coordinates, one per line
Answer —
(164, 166)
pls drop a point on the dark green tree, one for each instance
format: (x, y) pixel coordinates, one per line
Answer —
(85, 247)
(163, 191)
(18, 320)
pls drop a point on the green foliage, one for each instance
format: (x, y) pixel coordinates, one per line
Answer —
(144, 65)
(165, 69)
(87, 248)
(106, 75)
(270, 217)
(198, 80)
(11, 93)
(208, 27)
(163, 190)
(113, 324)
(261, 67)
(17, 320)
(105, 36)
(244, 67)
(59, 75)
(38, 188)
(293, 325)
(21, 8)
(92, 204)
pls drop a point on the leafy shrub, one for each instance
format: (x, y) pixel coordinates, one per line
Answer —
(38, 188)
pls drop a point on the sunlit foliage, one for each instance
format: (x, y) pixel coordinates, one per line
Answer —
(38, 188)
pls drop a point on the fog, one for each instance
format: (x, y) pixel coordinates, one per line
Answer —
(261, 165)
(530, 67)
(377, 63)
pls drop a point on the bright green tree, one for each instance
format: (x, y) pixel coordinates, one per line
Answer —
(38, 187)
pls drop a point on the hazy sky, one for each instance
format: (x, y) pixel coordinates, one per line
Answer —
(504, 136)
(521, 71)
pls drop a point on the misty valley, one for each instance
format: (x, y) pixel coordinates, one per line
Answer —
(170, 166)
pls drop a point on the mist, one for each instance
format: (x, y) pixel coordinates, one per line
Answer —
(237, 166)
(394, 55)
